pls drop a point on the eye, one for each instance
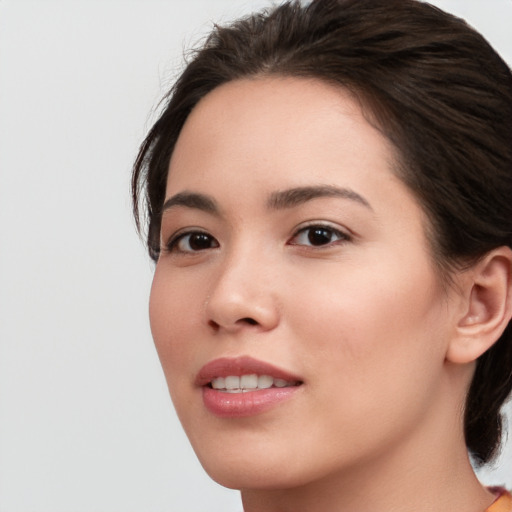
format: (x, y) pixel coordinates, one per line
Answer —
(318, 235)
(192, 241)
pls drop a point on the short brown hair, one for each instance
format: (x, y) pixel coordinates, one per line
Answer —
(433, 86)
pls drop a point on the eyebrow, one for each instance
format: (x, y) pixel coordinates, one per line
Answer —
(299, 195)
(192, 200)
(280, 200)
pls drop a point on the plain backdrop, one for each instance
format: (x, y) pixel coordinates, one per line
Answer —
(86, 424)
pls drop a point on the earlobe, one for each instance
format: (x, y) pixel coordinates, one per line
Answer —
(488, 307)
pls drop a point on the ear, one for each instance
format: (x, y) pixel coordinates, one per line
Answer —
(487, 307)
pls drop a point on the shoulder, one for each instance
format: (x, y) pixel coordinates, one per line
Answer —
(503, 501)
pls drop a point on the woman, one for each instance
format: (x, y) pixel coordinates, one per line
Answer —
(329, 194)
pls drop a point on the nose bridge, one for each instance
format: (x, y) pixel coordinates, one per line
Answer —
(244, 291)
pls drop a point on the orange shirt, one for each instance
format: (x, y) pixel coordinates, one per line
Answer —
(503, 503)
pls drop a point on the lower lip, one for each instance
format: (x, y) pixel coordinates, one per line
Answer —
(249, 403)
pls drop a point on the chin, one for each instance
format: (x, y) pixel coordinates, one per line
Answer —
(269, 466)
(237, 467)
(256, 477)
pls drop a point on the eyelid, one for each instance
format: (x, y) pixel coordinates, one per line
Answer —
(174, 239)
(345, 234)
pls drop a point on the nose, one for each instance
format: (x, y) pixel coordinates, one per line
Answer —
(243, 296)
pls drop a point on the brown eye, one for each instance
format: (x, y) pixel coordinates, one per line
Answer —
(192, 242)
(317, 236)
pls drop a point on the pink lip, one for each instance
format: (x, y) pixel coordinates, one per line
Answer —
(238, 366)
(233, 405)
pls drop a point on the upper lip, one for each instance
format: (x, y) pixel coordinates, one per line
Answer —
(238, 366)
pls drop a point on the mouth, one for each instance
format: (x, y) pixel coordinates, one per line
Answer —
(243, 386)
(252, 382)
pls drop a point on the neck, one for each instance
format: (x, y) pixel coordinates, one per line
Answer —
(422, 486)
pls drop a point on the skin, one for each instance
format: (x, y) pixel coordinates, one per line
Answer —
(363, 319)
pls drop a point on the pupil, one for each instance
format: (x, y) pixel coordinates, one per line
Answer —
(319, 236)
(199, 241)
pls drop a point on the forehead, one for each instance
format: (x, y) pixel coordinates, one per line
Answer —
(289, 128)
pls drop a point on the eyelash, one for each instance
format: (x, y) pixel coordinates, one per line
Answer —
(173, 244)
(341, 237)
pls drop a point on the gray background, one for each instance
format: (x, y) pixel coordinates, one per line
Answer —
(85, 421)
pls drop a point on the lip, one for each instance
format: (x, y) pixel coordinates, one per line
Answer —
(250, 403)
(239, 366)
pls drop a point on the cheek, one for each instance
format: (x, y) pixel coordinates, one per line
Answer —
(378, 340)
(172, 310)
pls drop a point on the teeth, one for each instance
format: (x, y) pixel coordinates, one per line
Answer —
(249, 381)
(219, 383)
(252, 382)
(265, 381)
(232, 382)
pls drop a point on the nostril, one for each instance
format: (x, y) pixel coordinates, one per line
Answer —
(214, 325)
(237, 324)
(249, 321)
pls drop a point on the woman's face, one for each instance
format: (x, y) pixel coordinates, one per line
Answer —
(294, 265)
